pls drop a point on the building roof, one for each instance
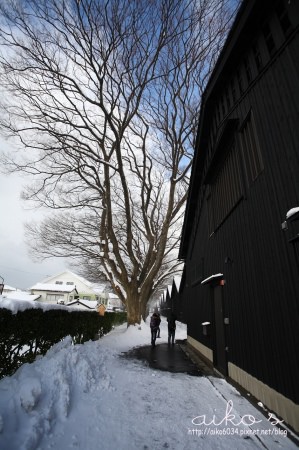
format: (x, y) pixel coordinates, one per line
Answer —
(20, 295)
(86, 303)
(8, 288)
(249, 15)
(98, 288)
(111, 295)
(53, 287)
(83, 280)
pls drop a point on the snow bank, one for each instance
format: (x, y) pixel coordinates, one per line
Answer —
(15, 305)
(88, 397)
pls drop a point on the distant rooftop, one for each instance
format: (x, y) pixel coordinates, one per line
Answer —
(53, 287)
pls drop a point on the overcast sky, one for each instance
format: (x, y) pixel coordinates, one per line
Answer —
(16, 267)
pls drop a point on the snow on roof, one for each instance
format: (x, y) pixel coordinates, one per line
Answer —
(207, 280)
(20, 305)
(292, 212)
(85, 303)
(98, 288)
(53, 287)
(8, 288)
(20, 295)
(83, 280)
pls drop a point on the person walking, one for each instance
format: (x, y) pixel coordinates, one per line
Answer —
(154, 324)
(171, 328)
(158, 331)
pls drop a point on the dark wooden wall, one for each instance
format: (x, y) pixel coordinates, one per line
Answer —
(261, 294)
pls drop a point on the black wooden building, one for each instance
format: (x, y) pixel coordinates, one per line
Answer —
(240, 291)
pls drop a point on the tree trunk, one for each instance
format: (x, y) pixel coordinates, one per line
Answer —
(143, 309)
(133, 311)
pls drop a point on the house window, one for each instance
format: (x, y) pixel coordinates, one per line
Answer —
(58, 282)
(54, 297)
(251, 149)
(269, 39)
(70, 283)
(225, 190)
(86, 297)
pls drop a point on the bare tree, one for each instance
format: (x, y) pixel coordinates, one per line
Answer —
(103, 96)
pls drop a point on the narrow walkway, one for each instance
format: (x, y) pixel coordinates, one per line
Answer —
(166, 357)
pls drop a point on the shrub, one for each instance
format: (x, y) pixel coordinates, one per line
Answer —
(30, 333)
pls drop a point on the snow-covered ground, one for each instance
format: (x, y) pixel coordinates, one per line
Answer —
(88, 397)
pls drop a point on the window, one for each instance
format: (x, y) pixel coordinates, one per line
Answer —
(86, 297)
(251, 150)
(70, 283)
(54, 297)
(269, 39)
(225, 190)
(58, 282)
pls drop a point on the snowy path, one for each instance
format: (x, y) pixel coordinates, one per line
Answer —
(86, 397)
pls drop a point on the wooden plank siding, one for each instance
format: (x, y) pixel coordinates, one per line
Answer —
(250, 249)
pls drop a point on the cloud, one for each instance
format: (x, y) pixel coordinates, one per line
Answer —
(16, 267)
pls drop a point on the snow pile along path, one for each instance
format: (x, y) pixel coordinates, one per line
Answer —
(88, 397)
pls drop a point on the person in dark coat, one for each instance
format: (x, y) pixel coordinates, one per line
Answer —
(158, 331)
(154, 324)
(171, 328)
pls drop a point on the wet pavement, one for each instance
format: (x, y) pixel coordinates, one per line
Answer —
(166, 357)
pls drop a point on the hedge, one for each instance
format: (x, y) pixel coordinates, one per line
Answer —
(29, 333)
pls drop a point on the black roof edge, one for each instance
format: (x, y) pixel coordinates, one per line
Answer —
(241, 17)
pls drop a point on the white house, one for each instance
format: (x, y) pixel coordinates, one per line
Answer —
(85, 289)
(54, 293)
(114, 302)
(7, 289)
(60, 287)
